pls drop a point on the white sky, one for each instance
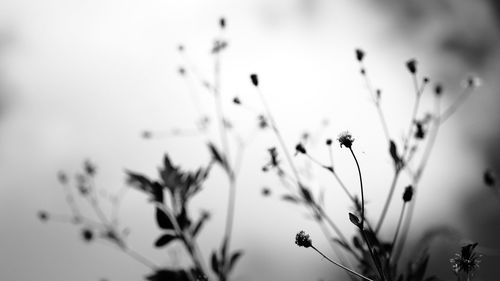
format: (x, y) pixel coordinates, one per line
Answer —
(85, 77)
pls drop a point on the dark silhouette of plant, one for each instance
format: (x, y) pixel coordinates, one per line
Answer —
(170, 193)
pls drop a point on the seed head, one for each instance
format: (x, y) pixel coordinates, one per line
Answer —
(467, 261)
(360, 55)
(345, 139)
(408, 194)
(412, 66)
(87, 235)
(302, 239)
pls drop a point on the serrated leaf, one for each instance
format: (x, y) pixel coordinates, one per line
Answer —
(164, 240)
(163, 220)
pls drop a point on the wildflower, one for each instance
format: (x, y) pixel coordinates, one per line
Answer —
(255, 79)
(412, 66)
(467, 261)
(299, 148)
(345, 139)
(302, 239)
(408, 194)
(360, 55)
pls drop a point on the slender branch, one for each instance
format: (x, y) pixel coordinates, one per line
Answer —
(341, 266)
(361, 187)
(398, 228)
(388, 200)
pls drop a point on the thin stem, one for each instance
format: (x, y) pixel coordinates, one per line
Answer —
(413, 116)
(361, 187)
(398, 228)
(140, 258)
(341, 266)
(461, 98)
(337, 178)
(231, 202)
(388, 200)
(372, 254)
(328, 236)
(418, 174)
(279, 136)
(376, 101)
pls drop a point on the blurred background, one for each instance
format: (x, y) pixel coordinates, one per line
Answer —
(83, 79)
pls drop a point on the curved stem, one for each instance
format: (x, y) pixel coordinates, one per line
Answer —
(341, 266)
(361, 187)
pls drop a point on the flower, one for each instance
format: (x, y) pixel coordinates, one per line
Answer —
(412, 66)
(467, 261)
(345, 139)
(302, 239)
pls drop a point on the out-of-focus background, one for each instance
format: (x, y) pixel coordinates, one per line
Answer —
(82, 80)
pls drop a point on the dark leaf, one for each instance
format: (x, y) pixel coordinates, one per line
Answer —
(163, 220)
(393, 150)
(354, 219)
(157, 192)
(168, 275)
(215, 263)
(218, 157)
(196, 229)
(138, 181)
(164, 240)
(306, 194)
(234, 258)
(290, 198)
(183, 220)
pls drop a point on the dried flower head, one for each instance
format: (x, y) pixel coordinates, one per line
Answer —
(467, 261)
(303, 240)
(360, 55)
(87, 235)
(408, 194)
(255, 79)
(412, 66)
(345, 139)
